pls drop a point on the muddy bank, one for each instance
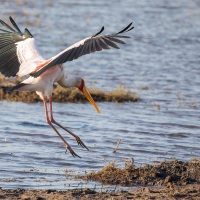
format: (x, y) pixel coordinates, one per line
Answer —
(165, 180)
(161, 174)
(190, 192)
(119, 94)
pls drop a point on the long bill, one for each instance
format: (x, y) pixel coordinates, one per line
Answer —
(90, 99)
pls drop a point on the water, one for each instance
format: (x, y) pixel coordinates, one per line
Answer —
(160, 63)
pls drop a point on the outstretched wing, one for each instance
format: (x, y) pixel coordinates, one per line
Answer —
(18, 55)
(88, 45)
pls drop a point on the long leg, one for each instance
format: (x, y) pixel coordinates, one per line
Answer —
(79, 141)
(49, 122)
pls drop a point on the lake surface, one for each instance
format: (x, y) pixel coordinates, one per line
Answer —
(161, 62)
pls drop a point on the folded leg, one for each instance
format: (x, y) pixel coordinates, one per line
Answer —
(52, 126)
(79, 141)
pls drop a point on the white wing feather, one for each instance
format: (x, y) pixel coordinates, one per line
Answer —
(28, 56)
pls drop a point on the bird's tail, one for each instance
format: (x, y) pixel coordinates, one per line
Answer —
(9, 89)
(6, 89)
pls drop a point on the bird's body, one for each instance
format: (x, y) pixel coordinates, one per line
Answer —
(19, 57)
(43, 85)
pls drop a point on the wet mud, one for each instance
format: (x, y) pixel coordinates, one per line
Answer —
(165, 180)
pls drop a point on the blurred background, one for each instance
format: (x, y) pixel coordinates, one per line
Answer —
(160, 63)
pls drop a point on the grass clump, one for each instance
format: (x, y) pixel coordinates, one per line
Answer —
(164, 173)
(120, 94)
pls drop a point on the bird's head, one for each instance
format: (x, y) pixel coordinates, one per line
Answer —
(82, 87)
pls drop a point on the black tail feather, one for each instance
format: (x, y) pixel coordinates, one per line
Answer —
(6, 89)
(9, 89)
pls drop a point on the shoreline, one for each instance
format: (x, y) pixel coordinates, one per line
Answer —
(190, 192)
(165, 180)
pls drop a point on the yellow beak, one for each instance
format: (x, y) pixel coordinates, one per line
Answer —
(89, 97)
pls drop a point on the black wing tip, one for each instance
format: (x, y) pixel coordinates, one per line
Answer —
(102, 29)
(130, 25)
(15, 25)
(26, 31)
(126, 29)
(2, 22)
(7, 26)
(12, 21)
(11, 18)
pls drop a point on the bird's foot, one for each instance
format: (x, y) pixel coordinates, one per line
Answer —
(71, 151)
(79, 141)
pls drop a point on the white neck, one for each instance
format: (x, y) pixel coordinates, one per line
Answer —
(70, 82)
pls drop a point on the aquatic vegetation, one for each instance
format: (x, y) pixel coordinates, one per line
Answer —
(119, 94)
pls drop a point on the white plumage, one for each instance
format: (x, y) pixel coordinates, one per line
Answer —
(28, 56)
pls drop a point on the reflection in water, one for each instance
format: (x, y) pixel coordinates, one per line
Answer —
(160, 62)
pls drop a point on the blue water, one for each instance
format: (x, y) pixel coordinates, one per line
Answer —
(160, 63)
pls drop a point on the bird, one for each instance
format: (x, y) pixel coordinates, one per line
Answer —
(20, 57)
